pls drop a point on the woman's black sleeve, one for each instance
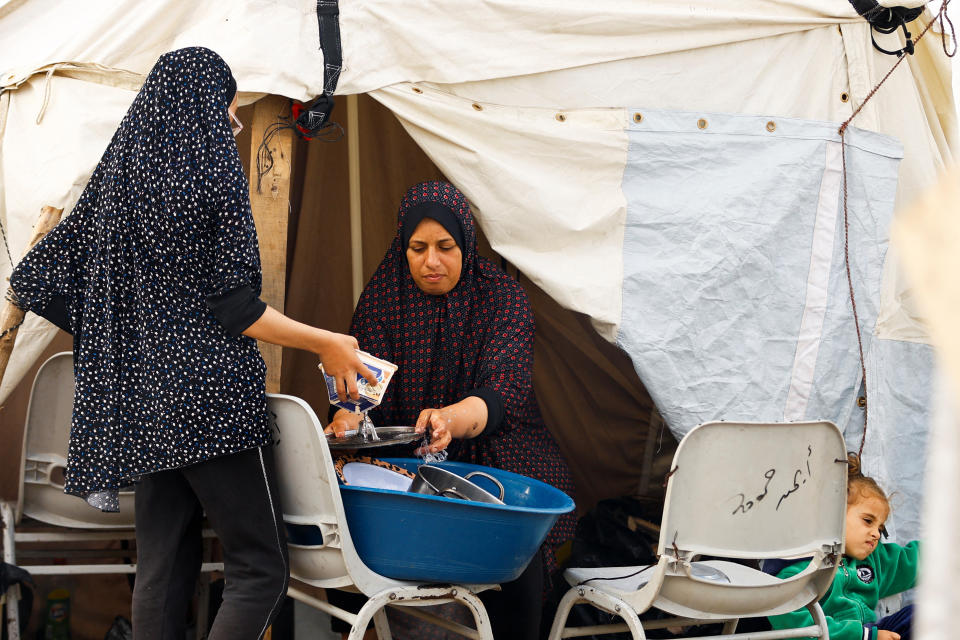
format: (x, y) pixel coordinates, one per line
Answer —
(56, 312)
(495, 410)
(236, 309)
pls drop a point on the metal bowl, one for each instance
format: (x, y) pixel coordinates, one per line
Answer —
(436, 481)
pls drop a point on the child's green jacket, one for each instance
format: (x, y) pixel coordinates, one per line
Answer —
(857, 588)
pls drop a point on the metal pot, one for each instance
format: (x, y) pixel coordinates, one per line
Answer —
(434, 481)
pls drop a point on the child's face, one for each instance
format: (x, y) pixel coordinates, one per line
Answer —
(865, 517)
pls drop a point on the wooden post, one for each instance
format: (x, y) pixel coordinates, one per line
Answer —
(356, 224)
(11, 315)
(270, 211)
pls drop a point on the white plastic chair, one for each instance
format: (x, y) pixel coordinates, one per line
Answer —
(41, 501)
(44, 458)
(746, 491)
(310, 496)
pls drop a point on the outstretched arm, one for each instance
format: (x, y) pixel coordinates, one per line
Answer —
(337, 351)
(464, 419)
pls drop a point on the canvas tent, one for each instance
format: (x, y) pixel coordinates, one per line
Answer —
(669, 173)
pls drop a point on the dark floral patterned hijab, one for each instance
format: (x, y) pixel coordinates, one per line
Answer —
(424, 332)
(478, 336)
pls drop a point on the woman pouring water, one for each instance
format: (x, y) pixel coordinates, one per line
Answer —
(461, 332)
(156, 273)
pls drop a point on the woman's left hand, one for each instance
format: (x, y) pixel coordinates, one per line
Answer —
(437, 421)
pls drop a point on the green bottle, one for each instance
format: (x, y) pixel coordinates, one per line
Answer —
(58, 615)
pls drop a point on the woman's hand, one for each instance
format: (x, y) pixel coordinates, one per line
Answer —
(463, 420)
(438, 422)
(883, 634)
(337, 351)
(338, 354)
(344, 421)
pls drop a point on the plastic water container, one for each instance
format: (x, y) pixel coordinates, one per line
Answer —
(370, 395)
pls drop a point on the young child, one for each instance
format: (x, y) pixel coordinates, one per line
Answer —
(869, 570)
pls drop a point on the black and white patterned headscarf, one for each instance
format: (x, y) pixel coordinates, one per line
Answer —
(163, 224)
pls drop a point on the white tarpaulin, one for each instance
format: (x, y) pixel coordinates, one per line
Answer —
(735, 295)
(531, 108)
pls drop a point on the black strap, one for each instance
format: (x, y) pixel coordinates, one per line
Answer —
(328, 19)
(312, 118)
(887, 20)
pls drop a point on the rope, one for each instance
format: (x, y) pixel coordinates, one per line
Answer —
(11, 329)
(46, 92)
(943, 31)
(332, 132)
(941, 15)
(853, 301)
(6, 244)
(264, 155)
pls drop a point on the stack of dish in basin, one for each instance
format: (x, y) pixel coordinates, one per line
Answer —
(413, 536)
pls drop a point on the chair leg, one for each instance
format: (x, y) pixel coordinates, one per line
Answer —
(12, 616)
(381, 625)
(730, 626)
(480, 616)
(601, 600)
(819, 619)
(569, 599)
(372, 607)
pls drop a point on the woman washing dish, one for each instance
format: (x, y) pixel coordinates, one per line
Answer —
(461, 332)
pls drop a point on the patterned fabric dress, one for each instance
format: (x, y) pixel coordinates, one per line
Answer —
(479, 335)
(163, 223)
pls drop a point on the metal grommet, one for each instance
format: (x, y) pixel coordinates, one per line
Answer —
(638, 117)
(417, 90)
(453, 592)
(861, 402)
(477, 107)
(561, 118)
(702, 123)
(393, 596)
(771, 126)
(844, 97)
(580, 592)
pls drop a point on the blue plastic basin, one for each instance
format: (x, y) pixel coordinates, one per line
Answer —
(411, 536)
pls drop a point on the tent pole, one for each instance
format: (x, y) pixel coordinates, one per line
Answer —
(11, 316)
(356, 226)
(271, 208)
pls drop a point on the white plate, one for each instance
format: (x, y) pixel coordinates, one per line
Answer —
(361, 474)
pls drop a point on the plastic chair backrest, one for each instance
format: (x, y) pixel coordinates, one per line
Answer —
(310, 495)
(756, 490)
(44, 455)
